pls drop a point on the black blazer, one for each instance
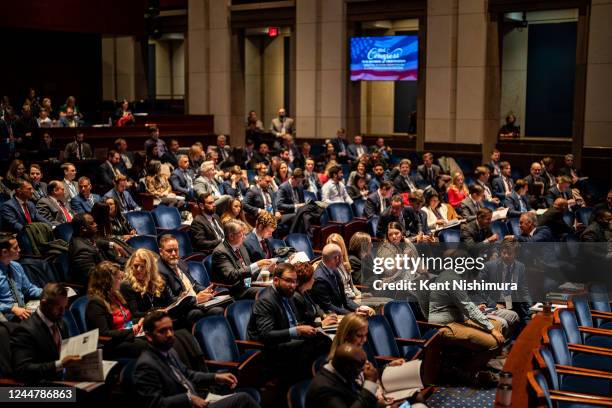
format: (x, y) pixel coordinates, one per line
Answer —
(226, 268)
(424, 174)
(157, 386)
(254, 248)
(97, 316)
(328, 292)
(33, 350)
(253, 201)
(330, 390)
(471, 234)
(553, 219)
(514, 206)
(203, 237)
(84, 256)
(173, 282)
(140, 305)
(372, 205)
(269, 323)
(307, 309)
(285, 201)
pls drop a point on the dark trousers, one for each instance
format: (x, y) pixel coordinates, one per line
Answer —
(238, 400)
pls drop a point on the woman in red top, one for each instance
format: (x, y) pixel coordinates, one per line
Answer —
(457, 190)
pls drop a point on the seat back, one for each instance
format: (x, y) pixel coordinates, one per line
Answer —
(558, 346)
(276, 243)
(358, 207)
(78, 308)
(63, 231)
(216, 339)
(238, 315)
(71, 324)
(184, 242)
(450, 235)
(296, 396)
(488, 204)
(167, 217)
(142, 221)
(373, 225)
(144, 241)
(207, 262)
(499, 227)
(401, 319)
(570, 326)
(599, 297)
(549, 360)
(301, 243)
(309, 195)
(380, 337)
(584, 214)
(513, 226)
(340, 212)
(582, 311)
(198, 273)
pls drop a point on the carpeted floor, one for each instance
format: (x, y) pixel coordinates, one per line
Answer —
(462, 397)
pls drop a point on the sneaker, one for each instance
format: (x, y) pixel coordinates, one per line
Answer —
(486, 379)
(496, 364)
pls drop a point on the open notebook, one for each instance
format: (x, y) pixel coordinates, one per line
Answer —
(401, 382)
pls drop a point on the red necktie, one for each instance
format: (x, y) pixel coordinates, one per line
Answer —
(57, 337)
(65, 211)
(239, 256)
(264, 245)
(27, 213)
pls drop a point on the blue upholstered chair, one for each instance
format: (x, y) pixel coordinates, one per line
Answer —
(142, 221)
(144, 241)
(78, 308)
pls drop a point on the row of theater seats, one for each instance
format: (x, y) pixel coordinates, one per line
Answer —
(574, 364)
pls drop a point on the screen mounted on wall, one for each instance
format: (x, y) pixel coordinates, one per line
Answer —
(389, 58)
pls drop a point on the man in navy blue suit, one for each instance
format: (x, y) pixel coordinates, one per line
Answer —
(517, 202)
(530, 232)
(122, 197)
(84, 201)
(291, 193)
(181, 179)
(19, 211)
(257, 242)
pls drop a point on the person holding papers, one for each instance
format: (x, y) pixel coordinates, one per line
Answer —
(107, 311)
(36, 343)
(162, 380)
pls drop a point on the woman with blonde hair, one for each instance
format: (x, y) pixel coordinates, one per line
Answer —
(107, 311)
(457, 190)
(345, 269)
(360, 255)
(143, 288)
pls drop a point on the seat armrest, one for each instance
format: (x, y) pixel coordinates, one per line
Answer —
(247, 344)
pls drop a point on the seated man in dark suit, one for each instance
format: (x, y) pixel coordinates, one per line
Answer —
(106, 173)
(84, 201)
(85, 251)
(562, 189)
(553, 219)
(36, 343)
(530, 232)
(122, 196)
(415, 220)
(290, 194)
(517, 202)
(328, 289)
(257, 242)
(478, 231)
(471, 204)
(275, 323)
(335, 385)
(175, 272)
(161, 380)
(206, 231)
(52, 207)
(429, 172)
(232, 264)
(378, 201)
(259, 199)
(403, 182)
(599, 229)
(394, 213)
(39, 187)
(15, 287)
(503, 185)
(19, 211)
(181, 177)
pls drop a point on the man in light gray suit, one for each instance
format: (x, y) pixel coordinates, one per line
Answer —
(52, 208)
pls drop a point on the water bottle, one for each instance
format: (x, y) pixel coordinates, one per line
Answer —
(247, 282)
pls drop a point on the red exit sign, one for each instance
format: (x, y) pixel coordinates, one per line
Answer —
(273, 31)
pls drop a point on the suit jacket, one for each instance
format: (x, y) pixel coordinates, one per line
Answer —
(554, 193)
(339, 144)
(328, 291)
(98, 317)
(424, 174)
(329, 390)
(253, 201)
(125, 202)
(203, 185)
(140, 305)
(499, 189)
(67, 194)
(254, 249)
(553, 219)
(34, 351)
(260, 158)
(494, 272)
(40, 191)
(70, 153)
(411, 221)
(173, 282)
(13, 217)
(469, 209)
(472, 234)
(276, 126)
(307, 309)
(179, 182)
(401, 184)
(105, 175)
(352, 151)
(203, 236)
(537, 199)
(284, 198)
(49, 210)
(157, 386)
(269, 323)
(84, 255)
(372, 205)
(80, 205)
(228, 269)
(594, 233)
(540, 234)
(513, 204)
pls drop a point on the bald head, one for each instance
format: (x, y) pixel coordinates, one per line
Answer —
(332, 255)
(349, 360)
(560, 204)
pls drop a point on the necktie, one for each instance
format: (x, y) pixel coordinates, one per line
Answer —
(437, 213)
(57, 337)
(91, 200)
(13, 287)
(67, 215)
(217, 229)
(174, 366)
(383, 207)
(239, 257)
(79, 152)
(508, 278)
(27, 213)
(266, 249)
(290, 314)
(296, 198)
(430, 174)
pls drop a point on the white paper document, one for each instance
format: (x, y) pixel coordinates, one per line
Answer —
(403, 381)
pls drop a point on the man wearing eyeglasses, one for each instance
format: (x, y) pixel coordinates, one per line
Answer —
(276, 323)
